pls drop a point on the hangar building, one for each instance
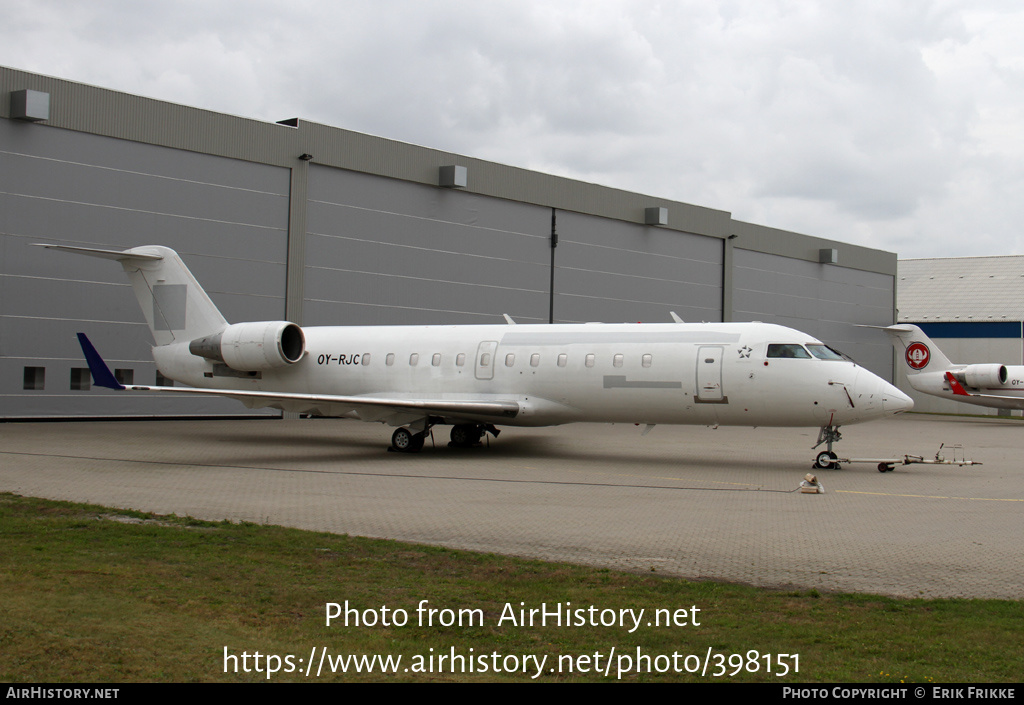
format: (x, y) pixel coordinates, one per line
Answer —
(972, 308)
(321, 225)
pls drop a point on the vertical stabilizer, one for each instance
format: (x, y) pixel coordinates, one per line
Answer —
(920, 354)
(176, 308)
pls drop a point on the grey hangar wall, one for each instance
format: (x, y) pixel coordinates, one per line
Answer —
(360, 234)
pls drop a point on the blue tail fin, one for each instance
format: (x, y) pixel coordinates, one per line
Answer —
(101, 374)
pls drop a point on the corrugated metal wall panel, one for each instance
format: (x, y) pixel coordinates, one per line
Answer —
(227, 218)
(606, 270)
(383, 251)
(822, 300)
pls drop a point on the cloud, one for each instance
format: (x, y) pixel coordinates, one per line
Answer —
(894, 125)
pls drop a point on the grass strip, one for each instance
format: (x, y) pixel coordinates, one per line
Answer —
(91, 594)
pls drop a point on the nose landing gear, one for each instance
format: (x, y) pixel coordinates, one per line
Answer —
(826, 459)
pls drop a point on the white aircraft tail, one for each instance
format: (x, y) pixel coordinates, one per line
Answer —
(920, 354)
(175, 306)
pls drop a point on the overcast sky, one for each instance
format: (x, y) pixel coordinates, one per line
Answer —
(891, 124)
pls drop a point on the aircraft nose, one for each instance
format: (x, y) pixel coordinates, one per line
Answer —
(879, 398)
(893, 400)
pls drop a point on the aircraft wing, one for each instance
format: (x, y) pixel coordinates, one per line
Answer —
(367, 408)
(392, 410)
(958, 390)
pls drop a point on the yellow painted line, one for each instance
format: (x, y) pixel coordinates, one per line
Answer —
(930, 496)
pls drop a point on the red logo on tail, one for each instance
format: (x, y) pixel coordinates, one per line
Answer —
(918, 356)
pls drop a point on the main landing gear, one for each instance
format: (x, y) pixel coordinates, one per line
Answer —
(466, 435)
(405, 440)
(826, 459)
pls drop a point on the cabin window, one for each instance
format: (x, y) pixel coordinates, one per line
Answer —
(485, 360)
(365, 359)
(81, 380)
(414, 359)
(436, 360)
(510, 360)
(390, 359)
(788, 350)
(460, 360)
(617, 360)
(35, 378)
(562, 359)
(534, 360)
(589, 362)
(646, 360)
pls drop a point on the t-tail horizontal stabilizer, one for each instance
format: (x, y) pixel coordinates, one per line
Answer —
(101, 374)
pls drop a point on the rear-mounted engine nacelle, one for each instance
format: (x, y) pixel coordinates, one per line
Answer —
(981, 376)
(249, 347)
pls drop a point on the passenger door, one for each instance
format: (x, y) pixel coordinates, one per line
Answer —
(709, 375)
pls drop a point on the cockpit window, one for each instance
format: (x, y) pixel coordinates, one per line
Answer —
(787, 350)
(824, 352)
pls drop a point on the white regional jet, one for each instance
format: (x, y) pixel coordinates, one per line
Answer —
(476, 377)
(931, 372)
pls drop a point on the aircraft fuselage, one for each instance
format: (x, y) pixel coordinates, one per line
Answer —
(1007, 395)
(714, 373)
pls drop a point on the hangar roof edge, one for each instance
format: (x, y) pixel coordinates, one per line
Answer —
(112, 113)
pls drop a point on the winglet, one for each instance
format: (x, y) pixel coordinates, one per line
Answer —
(956, 386)
(101, 374)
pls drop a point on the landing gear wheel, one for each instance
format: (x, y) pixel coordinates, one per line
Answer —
(405, 441)
(826, 460)
(465, 435)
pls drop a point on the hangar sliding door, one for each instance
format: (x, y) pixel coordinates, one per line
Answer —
(384, 251)
(822, 300)
(227, 218)
(616, 272)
